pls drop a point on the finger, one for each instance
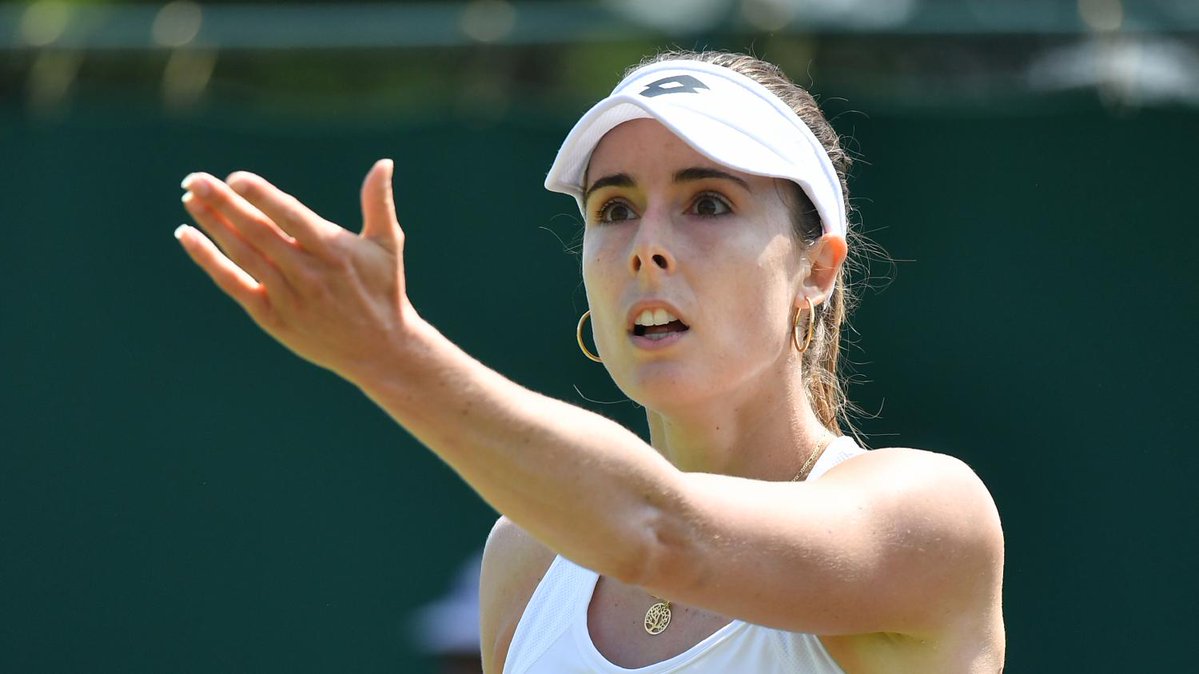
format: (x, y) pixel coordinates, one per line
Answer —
(229, 277)
(249, 222)
(311, 230)
(247, 258)
(379, 222)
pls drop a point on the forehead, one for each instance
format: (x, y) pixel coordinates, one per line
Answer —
(642, 146)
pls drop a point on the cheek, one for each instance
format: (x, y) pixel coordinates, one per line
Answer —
(603, 297)
(755, 294)
(592, 263)
(598, 259)
(603, 251)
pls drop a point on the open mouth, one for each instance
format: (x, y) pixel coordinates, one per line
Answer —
(657, 324)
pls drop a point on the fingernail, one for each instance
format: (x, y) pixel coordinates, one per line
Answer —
(187, 197)
(179, 231)
(194, 182)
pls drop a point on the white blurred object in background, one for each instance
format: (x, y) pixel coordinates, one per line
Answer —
(448, 627)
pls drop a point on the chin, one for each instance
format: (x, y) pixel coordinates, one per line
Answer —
(664, 386)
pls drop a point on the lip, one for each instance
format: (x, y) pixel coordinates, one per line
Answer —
(647, 344)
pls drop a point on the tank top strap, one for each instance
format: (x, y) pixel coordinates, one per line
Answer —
(549, 613)
(838, 451)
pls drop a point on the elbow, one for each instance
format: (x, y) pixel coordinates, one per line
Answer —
(662, 556)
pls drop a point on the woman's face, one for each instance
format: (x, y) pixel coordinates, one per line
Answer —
(691, 268)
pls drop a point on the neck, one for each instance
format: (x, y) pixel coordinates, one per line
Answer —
(767, 434)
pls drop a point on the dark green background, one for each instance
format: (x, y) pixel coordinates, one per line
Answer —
(178, 493)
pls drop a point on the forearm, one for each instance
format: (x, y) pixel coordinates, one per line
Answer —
(582, 484)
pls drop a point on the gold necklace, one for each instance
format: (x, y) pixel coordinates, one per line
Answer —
(812, 458)
(657, 618)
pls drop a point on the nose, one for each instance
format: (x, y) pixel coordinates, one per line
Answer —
(652, 246)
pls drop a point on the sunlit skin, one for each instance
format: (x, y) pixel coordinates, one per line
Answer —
(893, 557)
(668, 226)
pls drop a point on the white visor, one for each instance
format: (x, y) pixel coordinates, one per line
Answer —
(725, 116)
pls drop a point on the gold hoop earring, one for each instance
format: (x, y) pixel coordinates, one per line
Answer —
(811, 327)
(579, 336)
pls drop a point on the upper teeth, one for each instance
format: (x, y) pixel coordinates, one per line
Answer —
(655, 317)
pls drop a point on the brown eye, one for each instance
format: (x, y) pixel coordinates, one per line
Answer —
(615, 211)
(709, 205)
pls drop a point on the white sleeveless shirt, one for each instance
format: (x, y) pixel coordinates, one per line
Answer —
(552, 635)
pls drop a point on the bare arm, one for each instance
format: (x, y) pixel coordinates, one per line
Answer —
(847, 554)
(339, 300)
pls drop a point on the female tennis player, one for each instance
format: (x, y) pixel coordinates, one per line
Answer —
(749, 534)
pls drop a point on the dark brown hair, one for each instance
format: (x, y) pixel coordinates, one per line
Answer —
(825, 385)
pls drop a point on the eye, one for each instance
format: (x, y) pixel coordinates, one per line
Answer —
(615, 210)
(709, 205)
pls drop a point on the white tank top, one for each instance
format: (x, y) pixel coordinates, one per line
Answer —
(552, 635)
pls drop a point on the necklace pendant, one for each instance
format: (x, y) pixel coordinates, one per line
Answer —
(657, 618)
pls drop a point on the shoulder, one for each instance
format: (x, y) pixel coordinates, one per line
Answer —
(513, 564)
(906, 473)
(513, 559)
(934, 504)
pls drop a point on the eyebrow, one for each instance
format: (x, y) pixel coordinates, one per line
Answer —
(682, 176)
(614, 180)
(698, 173)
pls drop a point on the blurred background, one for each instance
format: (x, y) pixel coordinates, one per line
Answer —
(180, 494)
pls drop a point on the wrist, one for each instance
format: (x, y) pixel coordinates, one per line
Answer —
(397, 358)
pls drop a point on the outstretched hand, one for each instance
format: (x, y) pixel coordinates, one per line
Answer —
(332, 297)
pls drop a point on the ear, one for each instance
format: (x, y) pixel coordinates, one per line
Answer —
(823, 264)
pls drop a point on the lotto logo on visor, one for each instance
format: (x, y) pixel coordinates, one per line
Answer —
(725, 116)
(679, 84)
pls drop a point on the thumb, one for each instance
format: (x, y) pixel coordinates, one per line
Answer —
(379, 222)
